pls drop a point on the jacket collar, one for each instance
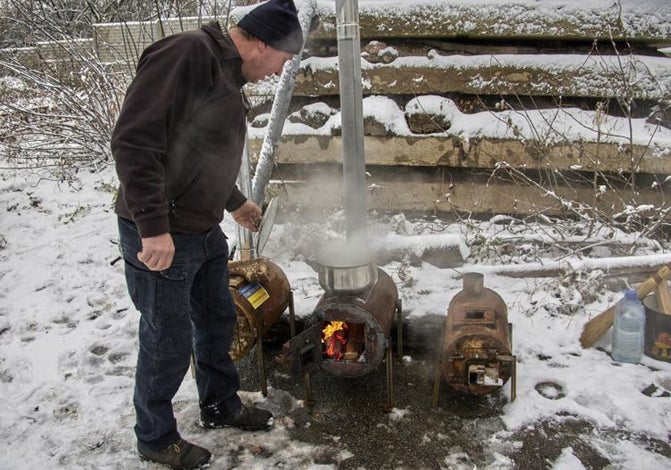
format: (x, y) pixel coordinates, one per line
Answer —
(226, 49)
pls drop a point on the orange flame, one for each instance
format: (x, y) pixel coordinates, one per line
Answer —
(333, 335)
(331, 329)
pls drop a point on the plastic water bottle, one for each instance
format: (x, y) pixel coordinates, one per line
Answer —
(628, 328)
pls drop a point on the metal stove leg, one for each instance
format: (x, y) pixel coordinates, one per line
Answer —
(390, 381)
(513, 375)
(513, 380)
(437, 375)
(436, 385)
(399, 329)
(292, 315)
(260, 363)
(309, 399)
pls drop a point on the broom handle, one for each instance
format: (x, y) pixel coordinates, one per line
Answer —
(663, 298)
(650, 283)
(605, 318)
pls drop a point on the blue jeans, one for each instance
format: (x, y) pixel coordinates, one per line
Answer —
(186, 308)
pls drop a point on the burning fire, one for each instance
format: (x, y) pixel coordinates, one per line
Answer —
(334, 337)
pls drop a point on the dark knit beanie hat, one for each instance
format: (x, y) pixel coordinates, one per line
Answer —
(275, 22)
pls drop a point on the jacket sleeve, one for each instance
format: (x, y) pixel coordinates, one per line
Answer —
(236, 199)
(169, 75)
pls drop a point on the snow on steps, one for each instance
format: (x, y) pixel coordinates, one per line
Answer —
(635, 20)
(459, 96)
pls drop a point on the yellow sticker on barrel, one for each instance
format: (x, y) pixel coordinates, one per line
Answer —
(254, 293)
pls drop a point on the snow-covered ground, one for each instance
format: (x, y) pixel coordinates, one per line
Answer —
(68, 332)
(68, 329)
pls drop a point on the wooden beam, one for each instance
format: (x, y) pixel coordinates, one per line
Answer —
(479, 153)
(580, 75)
(513, 20)
(442, 189)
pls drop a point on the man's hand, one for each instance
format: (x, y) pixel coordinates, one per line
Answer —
(157, 252)
(248, 215)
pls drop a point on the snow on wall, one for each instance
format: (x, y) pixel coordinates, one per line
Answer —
(510, 17)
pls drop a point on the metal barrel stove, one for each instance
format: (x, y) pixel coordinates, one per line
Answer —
(261, 293)
(476, 349)
(348, 333)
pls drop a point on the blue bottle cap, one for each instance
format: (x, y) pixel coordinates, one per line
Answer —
(630, 294)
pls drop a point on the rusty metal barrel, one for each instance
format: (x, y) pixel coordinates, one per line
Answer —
(476, 352)
(261, 293)
(370, 316)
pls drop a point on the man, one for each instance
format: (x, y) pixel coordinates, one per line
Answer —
(177, 146)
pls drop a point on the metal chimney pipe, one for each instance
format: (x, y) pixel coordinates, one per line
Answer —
(351, 112)
(247, 250)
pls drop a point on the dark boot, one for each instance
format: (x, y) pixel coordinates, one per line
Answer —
(246, 418)
(178, 455)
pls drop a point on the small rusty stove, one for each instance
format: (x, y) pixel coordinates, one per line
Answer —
(348, 333)
(261, 293)
(476, 350)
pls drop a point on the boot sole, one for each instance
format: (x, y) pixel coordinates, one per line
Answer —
(265, 427)
(199, 467)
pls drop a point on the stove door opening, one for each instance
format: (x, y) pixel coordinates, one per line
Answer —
(344, 341)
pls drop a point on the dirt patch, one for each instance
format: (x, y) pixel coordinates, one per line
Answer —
(348, 419)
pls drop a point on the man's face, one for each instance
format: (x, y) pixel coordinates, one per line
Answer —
(265, 61)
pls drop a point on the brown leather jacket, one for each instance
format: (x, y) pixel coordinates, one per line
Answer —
(179, 138)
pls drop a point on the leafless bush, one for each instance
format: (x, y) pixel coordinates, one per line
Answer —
(58, 111)
(75, 18)
(620, 187)
(63, 118)
(59, 106)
